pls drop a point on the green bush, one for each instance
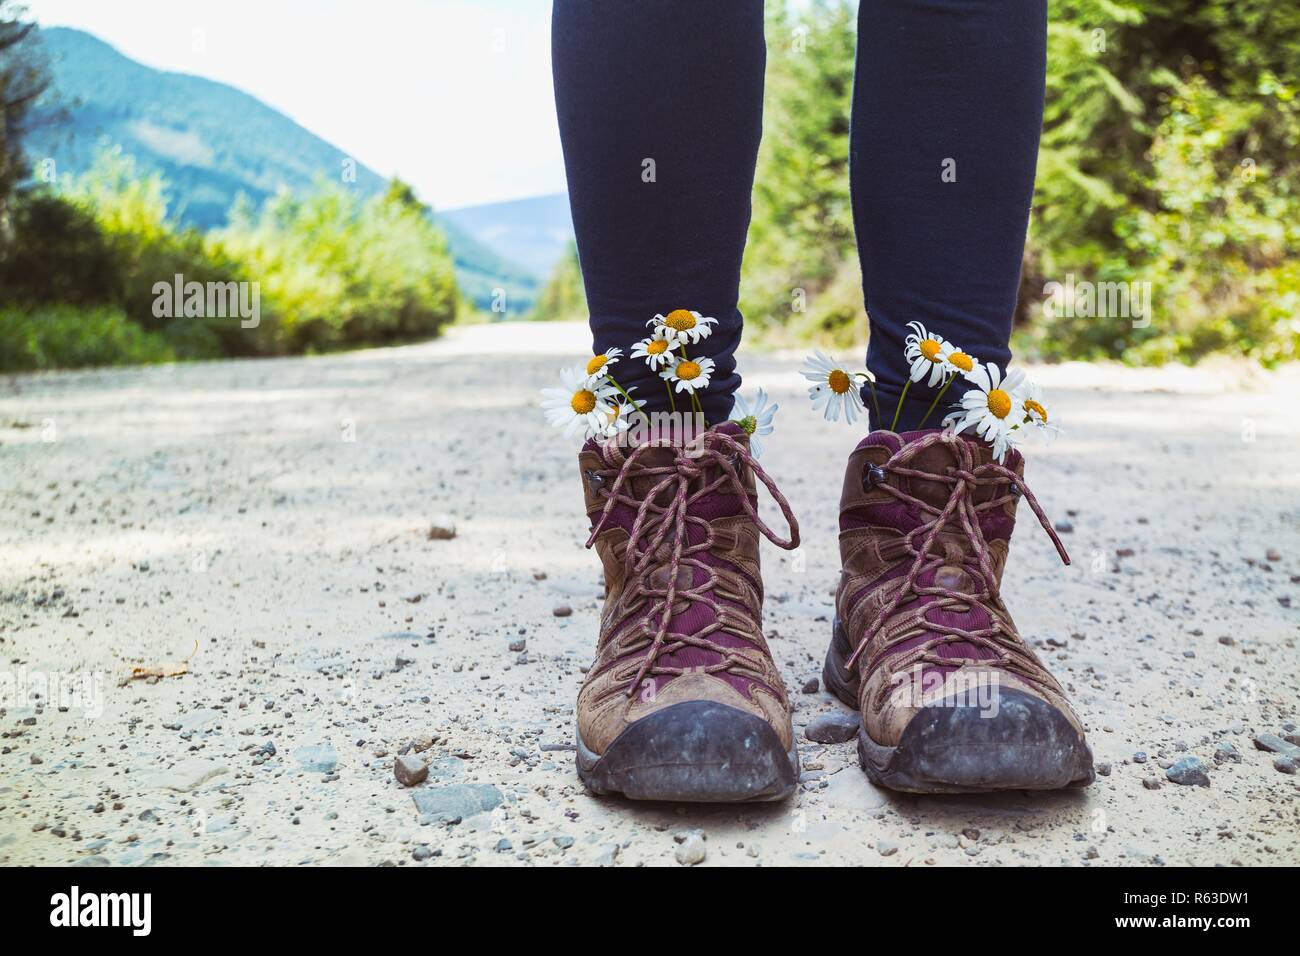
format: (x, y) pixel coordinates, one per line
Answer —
(66, 336)
(335, 271)
(331, 271)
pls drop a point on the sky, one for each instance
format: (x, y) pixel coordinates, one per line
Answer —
(452, 95)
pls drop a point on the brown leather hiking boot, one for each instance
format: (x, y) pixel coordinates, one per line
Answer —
(684, 701)
(952, 699)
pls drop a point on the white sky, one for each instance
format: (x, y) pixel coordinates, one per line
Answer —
(453, 95)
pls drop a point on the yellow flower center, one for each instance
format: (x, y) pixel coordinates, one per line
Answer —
(680, 320)
(656, 347)
(1034, 408)
(930, 349)
(962, 361)
(583, 401)
(999, 403)
(839, 382)
(749, 424)
(688, 370)
(596, 364)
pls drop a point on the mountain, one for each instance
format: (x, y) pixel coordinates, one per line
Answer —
(212, 142)
(533, 232)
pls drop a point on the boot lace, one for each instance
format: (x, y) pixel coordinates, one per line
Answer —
(961, 512)
(682, 483)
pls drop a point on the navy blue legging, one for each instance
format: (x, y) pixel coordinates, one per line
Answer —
(660, 110)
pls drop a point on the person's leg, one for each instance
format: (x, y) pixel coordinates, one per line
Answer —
(951, 696)
(660, 105)
(947, 108)
(683, 701)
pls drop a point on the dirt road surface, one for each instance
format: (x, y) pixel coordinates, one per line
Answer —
(266, 524)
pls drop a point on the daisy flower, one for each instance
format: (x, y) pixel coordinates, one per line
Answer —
(691, 375)
(683, 325)
(656, 350)
(1037, 415)
(833, 388)
(755, 419)
(995, 408)
(581, 405)
(598, 366)
(617, 421)
(957, 362)
(926, 354)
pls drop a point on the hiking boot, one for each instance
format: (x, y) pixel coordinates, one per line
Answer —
(683, 701)
(952, 698)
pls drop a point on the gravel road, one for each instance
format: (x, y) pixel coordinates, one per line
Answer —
(268, 527)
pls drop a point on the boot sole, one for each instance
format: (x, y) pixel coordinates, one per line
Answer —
(1029, 745)
(694, 752)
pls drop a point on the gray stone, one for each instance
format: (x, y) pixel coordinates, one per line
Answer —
(461, 800)
(691, 850)
(317, 758)
(1189, 772)
(886, 847)
(1284, 765)
(1275, 744)
(1226, 753)
(421, 853)
(410, 770)
(835, 727)
(608, 855)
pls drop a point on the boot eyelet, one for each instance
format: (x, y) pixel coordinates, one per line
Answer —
(594, 481)
(1015, 489)
(875, 475)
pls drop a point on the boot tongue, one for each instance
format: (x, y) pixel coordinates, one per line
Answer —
(939, 459)
(614, 452)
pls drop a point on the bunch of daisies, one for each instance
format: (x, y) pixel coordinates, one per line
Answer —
(1000, 408)
(593, 403)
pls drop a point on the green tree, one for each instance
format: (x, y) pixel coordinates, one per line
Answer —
(800, 240)
(563, 297)
(24, 77)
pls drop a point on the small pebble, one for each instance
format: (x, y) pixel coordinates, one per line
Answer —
(691, 850)
(410, 770)
(835, 727)
(1189, 772)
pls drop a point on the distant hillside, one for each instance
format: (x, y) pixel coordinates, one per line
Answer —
(533, 232)
(212, 142)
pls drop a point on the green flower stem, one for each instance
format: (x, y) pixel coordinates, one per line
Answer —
(929, 411)
(899, 409)
(614, 382)
(695, 400)
(671, 401)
